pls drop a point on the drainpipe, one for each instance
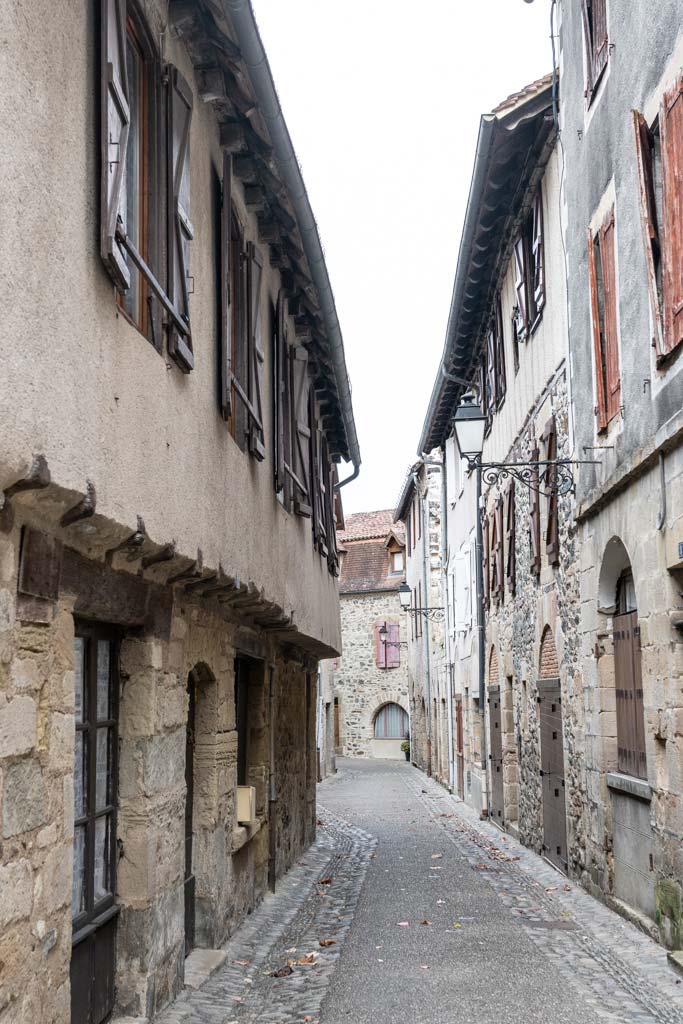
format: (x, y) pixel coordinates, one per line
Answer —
(481, 635)
(272, 791)
(425, 645)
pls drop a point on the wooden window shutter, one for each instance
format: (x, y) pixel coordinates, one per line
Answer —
(499, 583)
(588, 43)
(535, 518)
(491, 372)
(321, 494)
(225, 339)
(408, 532)
(600, 39)
(380, 648)
(500, 353)
(671, 127)
(314, 470)
(393, 651)
(649, 220)
(301, 431)
(538, 254)
(180, 231)
(552, 544)
(611, 340)
(597, 315)
(114, 129)
(510, 537)
(485, 559)
(256, 357)
(331, 518)
(522, 317)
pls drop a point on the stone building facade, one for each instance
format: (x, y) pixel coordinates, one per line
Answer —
(370, 680)
(621, 119)
(420, 509)
(168, 568)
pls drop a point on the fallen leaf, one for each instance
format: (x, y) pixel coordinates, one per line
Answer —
(425, 921)
(283, 972)
(307, 1019)
(328, 942)
(292, 950)
(326, 881)
(567, 888)
(303, 961)
(322, 823)
(404, 924)
(437, 856)
(373, 856)
(242, 963)
(551, 888)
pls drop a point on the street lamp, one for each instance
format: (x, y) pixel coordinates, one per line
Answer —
(404, 596)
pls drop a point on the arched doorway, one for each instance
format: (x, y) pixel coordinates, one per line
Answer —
(552, 754)
(390, 728)
(497, 805)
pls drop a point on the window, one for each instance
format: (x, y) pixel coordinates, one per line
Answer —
(409, 525)
(552, 544)
(391, 723)
(134, 210)
(396, 560)
(601, 261)
(660, 157)
(529, 264)
(497, 578)
(596, 42)
(494, 366)
(510, 565)
(387, 650)
(245, 272)
(535, 517)
(628, 679)
(486, 559)
(93, 903)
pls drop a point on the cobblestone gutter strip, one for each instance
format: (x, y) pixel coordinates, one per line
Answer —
(621, 972)
(305, 908)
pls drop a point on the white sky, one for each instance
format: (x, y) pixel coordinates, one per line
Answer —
(382, 99)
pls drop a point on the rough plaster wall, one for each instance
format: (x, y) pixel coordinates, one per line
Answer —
(153, 441)
(361, 686)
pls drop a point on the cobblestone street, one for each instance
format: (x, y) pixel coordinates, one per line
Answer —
(411, 909)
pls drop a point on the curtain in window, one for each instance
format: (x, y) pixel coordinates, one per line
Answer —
(391, 723)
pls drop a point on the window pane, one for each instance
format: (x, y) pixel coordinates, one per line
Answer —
(391, 723)
(102, 831)
(79, 691)
(103, 652)
(102, 785)
(130, 200)
(78, 882)
(80, 777)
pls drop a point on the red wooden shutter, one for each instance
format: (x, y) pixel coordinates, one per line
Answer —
(500, 353)
(225, 339)
(180, 231)
(380, 648)
(510, 537)
(485, 559)
(393, 650)
(522, 319)
(499, 551)
(535, 518)
(256, 358)
(648, 215)
(114, 129)
(552, 544)
(671, 128)
(600, 383)
(611, 340)
(301, 431)
(538, 254)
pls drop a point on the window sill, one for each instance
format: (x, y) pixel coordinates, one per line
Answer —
(630, 785)
(243, 834)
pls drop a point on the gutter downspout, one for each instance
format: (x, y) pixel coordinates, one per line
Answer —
(428, 679)
(242, 17)
(481, 633)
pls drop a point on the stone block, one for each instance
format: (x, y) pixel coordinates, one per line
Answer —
(25, 674)
(7, 610)
(138, 710)
(61, 740)
(16, 892)
(24, 799)
(18, 727)
(68, 802)
(52, 888)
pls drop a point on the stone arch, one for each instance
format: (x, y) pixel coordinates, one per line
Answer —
(615, 562)
(494, 667)
(548, 666)
(385, 705)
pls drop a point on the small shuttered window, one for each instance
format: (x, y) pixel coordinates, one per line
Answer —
(497, 584)
(510, 565)
(603, 285)
(552, 545)
(671, 126)
(534, 517)
(180, 230)
(529, 267)
(596, 42)
(648, 154)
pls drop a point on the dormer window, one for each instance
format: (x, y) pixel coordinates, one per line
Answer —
(396, 562)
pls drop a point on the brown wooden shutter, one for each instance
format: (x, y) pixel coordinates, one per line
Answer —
(180, 231)
(321, 492)
(611, 341)
(538, 253)
(256, 356)
(485, 559)
(552, 544)
(331, 518)
(301, 431)
(280, 375)
(535, 518)
(114, 129)
(522, 319)
(601, 399)
(629, 696)
(380, 648)
(600, 39)
(393, 651)
(491, 372)
(314, 469)
(225, 338)
(501, 375)
(649, 220)
(500, 550)
(588, 43)
(671, 128)
(510, 537)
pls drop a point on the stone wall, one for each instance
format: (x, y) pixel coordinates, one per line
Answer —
(359, 684)
(177, 639)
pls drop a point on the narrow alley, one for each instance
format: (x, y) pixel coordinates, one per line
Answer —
(408, 907)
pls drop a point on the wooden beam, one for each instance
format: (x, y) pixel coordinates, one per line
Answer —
(255, 196)
(233, 136)
(244, 167)
(268, 230)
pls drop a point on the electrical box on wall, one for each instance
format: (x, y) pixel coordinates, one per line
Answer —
(674, 545)
(246, 805)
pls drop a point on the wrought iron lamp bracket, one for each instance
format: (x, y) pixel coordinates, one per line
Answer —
(546, 477)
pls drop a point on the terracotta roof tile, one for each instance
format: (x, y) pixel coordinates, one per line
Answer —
(524, 94)
(365, 568)
(367, 525)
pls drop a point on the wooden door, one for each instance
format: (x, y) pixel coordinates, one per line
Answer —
(459, 752)
(629, 692)
(496, 755)
(93, 902)
(552, 773)
(190, 884)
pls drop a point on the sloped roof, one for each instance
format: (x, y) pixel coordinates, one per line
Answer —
(368, 525)
(365, 568)
(525, 93)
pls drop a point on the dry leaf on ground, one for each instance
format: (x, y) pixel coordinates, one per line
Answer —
(425, 921)
(437, 856)
(328, 942)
